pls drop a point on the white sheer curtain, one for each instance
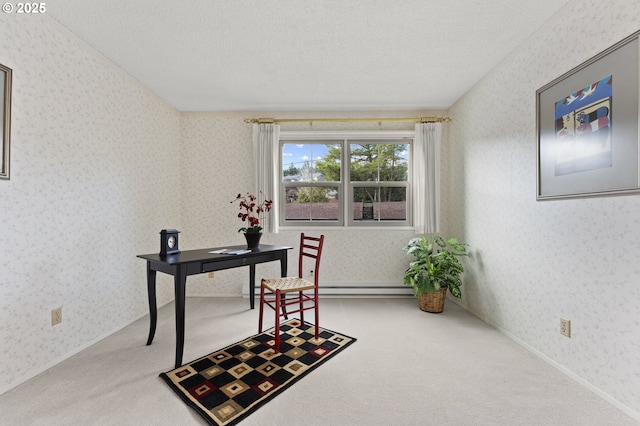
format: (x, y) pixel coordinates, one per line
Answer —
(265, 148)
(426, 175)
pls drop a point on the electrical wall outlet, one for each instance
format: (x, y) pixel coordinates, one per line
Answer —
(311, 273)
(565, 327)
(56, 316)
(210, 275)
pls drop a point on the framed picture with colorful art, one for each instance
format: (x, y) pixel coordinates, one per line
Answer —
(5, 119)
(588, 140)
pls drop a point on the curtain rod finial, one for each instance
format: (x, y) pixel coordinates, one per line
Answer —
(434, 120)
(260, 120)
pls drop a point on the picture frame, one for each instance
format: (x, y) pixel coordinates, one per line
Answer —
(5, 119)
(588, 127)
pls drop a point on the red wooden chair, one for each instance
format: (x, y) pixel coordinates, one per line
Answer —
(281, 293)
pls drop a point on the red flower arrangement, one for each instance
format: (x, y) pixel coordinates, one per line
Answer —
(252, 211)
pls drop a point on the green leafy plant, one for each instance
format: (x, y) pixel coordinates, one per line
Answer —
(436, 265)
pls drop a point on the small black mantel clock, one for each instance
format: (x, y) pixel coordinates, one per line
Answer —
(169, 242)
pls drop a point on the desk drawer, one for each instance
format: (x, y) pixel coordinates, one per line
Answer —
(219, 265)
(224, 264)
(267, 257)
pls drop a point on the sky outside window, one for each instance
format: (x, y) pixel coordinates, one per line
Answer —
(299, 156)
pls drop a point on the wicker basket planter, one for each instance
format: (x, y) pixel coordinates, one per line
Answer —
(435, 266)
(433, 302)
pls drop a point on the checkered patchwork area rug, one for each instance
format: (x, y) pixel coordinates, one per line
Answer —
(226, 386)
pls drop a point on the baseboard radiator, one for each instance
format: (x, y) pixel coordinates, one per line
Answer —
(363, 289)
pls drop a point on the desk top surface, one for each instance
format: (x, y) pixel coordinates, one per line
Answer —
(200, 255)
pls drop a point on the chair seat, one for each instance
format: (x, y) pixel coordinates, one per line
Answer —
(287, 284)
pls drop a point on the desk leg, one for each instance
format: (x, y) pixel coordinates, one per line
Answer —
(252, 286)
(180, 280)
(283, 264)
(153, 311)
(283, 273)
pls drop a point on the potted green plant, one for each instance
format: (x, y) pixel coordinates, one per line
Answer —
(435, 269)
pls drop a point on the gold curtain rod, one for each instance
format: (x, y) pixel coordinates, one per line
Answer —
(349, 120)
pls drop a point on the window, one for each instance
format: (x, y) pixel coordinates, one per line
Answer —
(371, 189)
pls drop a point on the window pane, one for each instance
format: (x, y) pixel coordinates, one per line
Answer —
(393, 203)
(378, 162)
(363, 162)
(379, 204)
(311, 203)
(394, 160)
(310, 162)
(365, 203)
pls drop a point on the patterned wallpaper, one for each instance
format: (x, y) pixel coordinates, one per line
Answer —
(217, 151)
(94, 177)
(92, 183)
(534, 262)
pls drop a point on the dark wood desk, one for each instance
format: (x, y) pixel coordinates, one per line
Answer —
(192, 262)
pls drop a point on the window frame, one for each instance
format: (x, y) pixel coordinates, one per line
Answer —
(345, 197)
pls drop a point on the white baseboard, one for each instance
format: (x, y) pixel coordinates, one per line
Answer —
(610, 399)
(63, 357)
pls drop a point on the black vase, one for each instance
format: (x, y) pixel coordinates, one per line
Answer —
(253, 240)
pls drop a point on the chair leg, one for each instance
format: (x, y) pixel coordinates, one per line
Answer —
(317, 316)
(284, 306)
(261, 308)
(277, 329)
(301, 307)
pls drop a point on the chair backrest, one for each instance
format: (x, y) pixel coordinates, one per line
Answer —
(310, 247)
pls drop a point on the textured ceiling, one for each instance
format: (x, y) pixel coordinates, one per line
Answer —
(214, 55)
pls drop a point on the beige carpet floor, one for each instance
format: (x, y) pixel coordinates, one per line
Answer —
(407, 368)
